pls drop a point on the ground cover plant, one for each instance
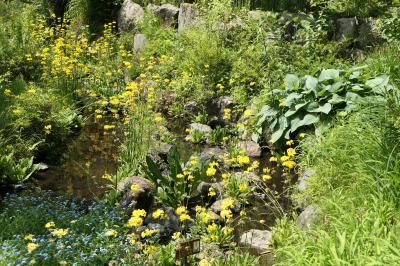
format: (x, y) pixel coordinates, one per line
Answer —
(266, 129)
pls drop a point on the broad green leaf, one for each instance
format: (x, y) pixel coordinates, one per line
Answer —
(336, 99)
(311, 83)
(291, 99)
(328, 74)
(378, 84)
(326, 108)
(310, 119)
(292, 82)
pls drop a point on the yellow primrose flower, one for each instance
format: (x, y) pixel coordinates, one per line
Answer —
(47, 129)
(243, 187)
(139, 213)
(253, 83)
(242, 160)
(227, 114)
(290, 142)
(32, 246)
(148, 232)
(59, 232)
(108, 127)
(211, 171)
(111, 233)
(302, 135)
(211, 192)
(158, 117)
(282, 102)
(273, 159)
(28, 237)
(180, 176)
(184, 217)
(134, 222)
(180, 210)
(226, 214)
(159, 214)
(247, 113)
(135, 188)
(289, 164)
(150, 250)
(204, 262)
(99, 116)
(227, 204)
(8, 92)
(285, 158)
(176, 235)
(49, 225)
(212, 227)
(266, 177)
(291, 152)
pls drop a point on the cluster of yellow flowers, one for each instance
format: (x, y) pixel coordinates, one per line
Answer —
(226, 206)
(58, 232)
(136, 218)
(182, 212)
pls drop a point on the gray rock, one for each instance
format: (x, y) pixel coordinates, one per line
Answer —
(139, 41)
(192, 107)
(169, 14)
(257, 240)
(187, 16)
(129, 16)
(205, 129)
(215, 152)
(346, 28)
(216, 206)
(141, 199)
(309, 217)
(367, 33)
(215, 218)
(252, 148)
(304, 177)
(167, 226)
(225, 102)
(204, 187)
(155, 9)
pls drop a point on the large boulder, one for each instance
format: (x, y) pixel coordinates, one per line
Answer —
(139, 41)
(129, 16)
(309, 217)
(205, 129)
(140, 198)
(257, 240)
(167, 13)
(346, 28)
(252, 148)
(187, 16)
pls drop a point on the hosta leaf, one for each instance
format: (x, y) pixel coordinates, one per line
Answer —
(326, 108)
(336, 99)
(292, 82)
(310, 119)
(311, 83)
(328, 74)
(379, 84)
(291, 99)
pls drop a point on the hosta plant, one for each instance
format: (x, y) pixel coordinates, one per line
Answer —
(312, 101)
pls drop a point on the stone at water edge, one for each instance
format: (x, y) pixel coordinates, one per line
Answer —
(129, 16)
(139, 41)
(187, 16)
(309, 217)
(205, 129)
(257, 240)
(204, 187)
(142, 199)
(346, 28)
(252, 148)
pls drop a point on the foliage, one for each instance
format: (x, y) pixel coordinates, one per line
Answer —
(175, 188)
(359, 154)
(310, 100)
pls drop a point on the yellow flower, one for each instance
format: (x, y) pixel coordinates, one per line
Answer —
(32, 246)
(291, 152)
(227, 204)
(184, 217)
(159, 214)
(289, 142)
(180, 176)
(135, 188)
(176, 235)
(224, 176)
(111, 233)
(131, 238)
(289, 164)
(266, 170)
(158, 117)
(302, 135)
(28, 237)
(211, 192)
(242, 213)
(99, 116)
(284, 158)
(243, 187)
(59, 232)
(150, 250)
(266, 177)
(8, 92)
(212, 227)
(282, 102)
(108, 127)
(247, 113)
(49, 225)
(227, 114)
(148, 232)
(242, 160)
(190, 177)
(180, 210)
(204, 262)
(134, 222)
(253, 83)
(47, 129)
(226, 214)
(139, 213)
(211, 171)
(227, 230)
(273, 159)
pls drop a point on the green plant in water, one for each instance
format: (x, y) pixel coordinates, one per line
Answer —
(175, 188)
(312, 101)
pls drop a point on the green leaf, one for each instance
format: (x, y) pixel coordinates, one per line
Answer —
(310, 119)
(326, 108)
(292, 82)
(291, 99)
(378, 84)
(328, 74)
(311, 83)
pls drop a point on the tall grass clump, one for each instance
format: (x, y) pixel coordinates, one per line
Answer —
(355, 187)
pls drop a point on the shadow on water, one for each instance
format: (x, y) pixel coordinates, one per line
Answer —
(88, 157)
